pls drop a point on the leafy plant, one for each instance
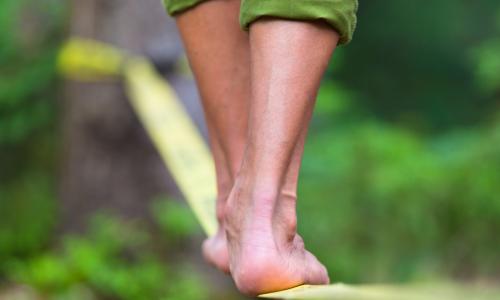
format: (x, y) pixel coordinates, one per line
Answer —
(29, 41)
(114, 259)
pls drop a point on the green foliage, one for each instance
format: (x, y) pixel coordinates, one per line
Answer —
(488, 64)
(27, 216)
(410, 61)
(388, 204)
(28, 47)
(114, 259)
(29, 40)
(174, 219)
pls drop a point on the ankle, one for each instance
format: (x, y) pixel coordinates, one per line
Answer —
(248, 204)
(220, 210)
(250, 194)
(262, 209)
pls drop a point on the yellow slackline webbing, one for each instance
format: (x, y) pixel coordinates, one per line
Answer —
(186, 155)
(176, 138)
(178, 141)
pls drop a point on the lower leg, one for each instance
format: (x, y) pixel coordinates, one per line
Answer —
(288, 59)
(218, 52)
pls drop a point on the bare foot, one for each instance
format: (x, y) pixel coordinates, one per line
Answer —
(215, 250)
(266, 253)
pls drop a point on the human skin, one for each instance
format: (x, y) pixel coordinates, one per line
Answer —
(258, 91)
(219, 54)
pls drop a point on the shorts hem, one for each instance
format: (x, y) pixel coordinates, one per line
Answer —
(340, 14)
(175, 7)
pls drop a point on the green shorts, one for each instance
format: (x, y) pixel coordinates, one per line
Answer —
(340, 14)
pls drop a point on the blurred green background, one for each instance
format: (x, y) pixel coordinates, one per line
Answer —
(400, 181)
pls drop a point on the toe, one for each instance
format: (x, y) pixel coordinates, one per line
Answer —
(215, 253)
(316, 272)
(205, 249)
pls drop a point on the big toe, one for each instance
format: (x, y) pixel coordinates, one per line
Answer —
(316, 272)
(207, 249)
(215, 253)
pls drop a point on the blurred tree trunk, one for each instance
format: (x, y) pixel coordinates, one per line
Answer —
(108, 161)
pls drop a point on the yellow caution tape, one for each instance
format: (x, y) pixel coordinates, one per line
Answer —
(185, 153)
